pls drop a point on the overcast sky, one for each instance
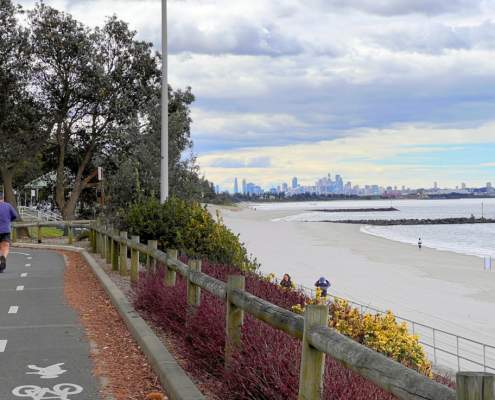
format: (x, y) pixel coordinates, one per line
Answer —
(390, 92)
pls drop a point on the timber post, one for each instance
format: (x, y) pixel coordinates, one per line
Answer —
(170, 274)
(38, 233)
(70, 233)
(123, 254)
(234, 318)
(103, 246)
(134, 261)
(150, 261)
(108, 238)
(115, 252)
(97, 241)
(93, 239)
(193, 291)
(14, 234)
(475, 386)
(312, 360)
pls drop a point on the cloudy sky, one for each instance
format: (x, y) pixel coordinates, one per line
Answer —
(390, 92)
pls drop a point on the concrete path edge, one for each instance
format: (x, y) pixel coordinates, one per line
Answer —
(172, 377)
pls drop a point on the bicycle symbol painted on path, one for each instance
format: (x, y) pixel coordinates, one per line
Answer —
(61, 391)
(51, 372)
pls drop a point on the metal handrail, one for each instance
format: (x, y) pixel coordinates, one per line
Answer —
(435, 345)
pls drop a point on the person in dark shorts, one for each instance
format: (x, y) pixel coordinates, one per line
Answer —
(7, 215)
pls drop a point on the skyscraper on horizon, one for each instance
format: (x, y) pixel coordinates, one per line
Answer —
(294, 183)
(244, 187)
(236, 186)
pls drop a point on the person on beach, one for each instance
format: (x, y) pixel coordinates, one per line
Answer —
(286, 281)
(323, 285)
(7, 215)
(419, 243)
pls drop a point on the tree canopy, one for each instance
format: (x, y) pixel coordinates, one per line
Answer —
(74, 98)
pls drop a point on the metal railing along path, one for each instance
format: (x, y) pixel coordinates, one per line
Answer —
(445, 349)
(38, 215)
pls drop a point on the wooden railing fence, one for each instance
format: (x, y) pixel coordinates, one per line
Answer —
(70, 225)
(318, 340)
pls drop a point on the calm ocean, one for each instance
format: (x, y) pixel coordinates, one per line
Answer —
(475, 239)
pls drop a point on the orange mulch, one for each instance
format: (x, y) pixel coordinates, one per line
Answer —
(117, 357)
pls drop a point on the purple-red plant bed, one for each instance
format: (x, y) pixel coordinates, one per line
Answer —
(267, 367)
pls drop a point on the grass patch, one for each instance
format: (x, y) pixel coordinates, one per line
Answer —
(47, 232)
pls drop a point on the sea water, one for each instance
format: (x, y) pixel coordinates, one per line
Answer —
(472, 239)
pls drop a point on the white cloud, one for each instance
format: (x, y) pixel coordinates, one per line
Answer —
(401, 7)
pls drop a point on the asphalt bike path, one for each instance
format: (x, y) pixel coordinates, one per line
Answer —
(43, 351)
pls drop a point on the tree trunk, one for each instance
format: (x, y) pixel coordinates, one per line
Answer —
(8, 186)
(69, 210)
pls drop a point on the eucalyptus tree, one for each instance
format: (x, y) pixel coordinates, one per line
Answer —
(95, 82)
(23, 130)
(135, 173)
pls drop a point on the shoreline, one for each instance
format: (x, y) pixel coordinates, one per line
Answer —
(365, 231)
(441, 288)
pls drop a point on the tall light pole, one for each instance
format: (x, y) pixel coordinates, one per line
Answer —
(164, 103)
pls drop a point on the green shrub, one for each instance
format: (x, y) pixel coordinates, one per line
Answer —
(187, 227)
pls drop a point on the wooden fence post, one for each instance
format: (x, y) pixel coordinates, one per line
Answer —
(135, 261)
(115, 252)
(123, 254)
(92, 236)
(38, 233)
(150, 261)
(170, 274)
(234, 318)
(108, 245)
(103, 246)
(14, 234)
(71, 233)
(312, 360)
(97, 242)
(193, 291)
(475, 386)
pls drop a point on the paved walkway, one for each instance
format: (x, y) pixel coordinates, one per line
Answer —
(43, 352)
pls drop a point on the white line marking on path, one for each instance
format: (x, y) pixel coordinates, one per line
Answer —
(19, 288)
(27, 265)
(13, 309)
(29, 258)
(3, 345)
(24, 274)
(22, 254)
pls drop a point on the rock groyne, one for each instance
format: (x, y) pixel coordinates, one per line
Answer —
(439, 221)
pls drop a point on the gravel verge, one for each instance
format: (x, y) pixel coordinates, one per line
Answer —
(117, 357)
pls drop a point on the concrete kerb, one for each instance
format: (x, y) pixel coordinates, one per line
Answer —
(172, 377)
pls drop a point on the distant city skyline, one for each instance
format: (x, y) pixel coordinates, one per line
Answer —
(336, 185)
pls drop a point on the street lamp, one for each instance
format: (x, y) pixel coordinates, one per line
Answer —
(164, 103)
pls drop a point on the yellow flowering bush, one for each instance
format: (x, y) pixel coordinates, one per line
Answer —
(380, 332)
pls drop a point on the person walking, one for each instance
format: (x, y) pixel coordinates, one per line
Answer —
(286, 281)
(420, 243)
(323, 285)
(7, 215)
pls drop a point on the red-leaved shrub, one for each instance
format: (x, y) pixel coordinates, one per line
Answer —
(267, 367)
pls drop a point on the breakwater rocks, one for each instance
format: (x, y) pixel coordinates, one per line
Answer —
(439, 221)
(335, 210)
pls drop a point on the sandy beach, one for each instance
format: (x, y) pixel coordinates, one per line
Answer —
(446, 290)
